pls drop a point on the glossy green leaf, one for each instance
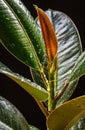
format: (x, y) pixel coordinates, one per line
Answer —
(63, 114)
(35, 90)
(79, 68)
(69, 44)
(69, 49)
(19, 33)
(10, 117)
(68, 92)
(36, 76)
(77, 71)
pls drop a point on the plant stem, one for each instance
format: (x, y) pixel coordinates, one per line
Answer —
(51, 90)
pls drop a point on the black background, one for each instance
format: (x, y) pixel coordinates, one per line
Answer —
(10, 90)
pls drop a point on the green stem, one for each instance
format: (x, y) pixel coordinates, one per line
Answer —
(51, 91)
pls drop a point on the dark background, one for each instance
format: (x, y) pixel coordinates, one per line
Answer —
(11, 90)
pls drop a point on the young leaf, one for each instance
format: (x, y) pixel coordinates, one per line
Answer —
(64, 113)
(35, 90)
(49, 36)
(69, 49)
(10, 117)
(69, 44)
(19, 33)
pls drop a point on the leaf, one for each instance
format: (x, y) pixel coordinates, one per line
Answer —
(36, 76)
(65, 113)
(10, 117)
(68, 92)
(77, 71)
(19, 33)
(69, 49)
(35, 90)
(49, 36)
(74, 121)
(79, 125)
(79, 68)
(4, 126)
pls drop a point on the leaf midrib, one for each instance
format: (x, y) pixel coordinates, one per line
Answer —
(19, 21)
(6, 126)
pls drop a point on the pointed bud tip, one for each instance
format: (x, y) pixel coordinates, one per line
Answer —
(35, 6)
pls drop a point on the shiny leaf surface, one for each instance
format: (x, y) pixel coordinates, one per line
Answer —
(19, 33)
(10, 117)
(69, 49)
(35, 90)
(79, 68)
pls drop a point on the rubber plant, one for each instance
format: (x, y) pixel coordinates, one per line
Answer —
(51, 47)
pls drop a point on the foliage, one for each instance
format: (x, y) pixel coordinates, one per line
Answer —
(51, 47)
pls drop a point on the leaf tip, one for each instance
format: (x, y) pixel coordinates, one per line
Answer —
(35, 6)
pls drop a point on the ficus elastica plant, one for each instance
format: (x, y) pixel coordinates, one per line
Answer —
(51, 47)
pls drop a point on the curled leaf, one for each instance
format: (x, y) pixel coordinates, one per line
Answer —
(49, 36)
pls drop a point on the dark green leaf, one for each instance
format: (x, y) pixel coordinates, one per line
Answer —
(68, 111)
(37, 78)
(10, 117)
(77, 71)
(35, 90)
(68, 92)
(19, 33)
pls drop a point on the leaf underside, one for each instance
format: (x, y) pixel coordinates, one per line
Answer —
(65, 113)
(32, 88)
